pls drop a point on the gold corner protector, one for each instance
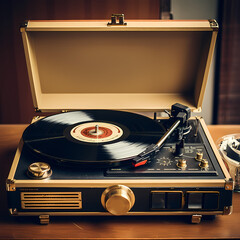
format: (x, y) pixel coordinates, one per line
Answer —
(10, 185)
(227, 210)
(23, 26)
(229, 184)
(213, 24)
(197, 110)
(13, 211)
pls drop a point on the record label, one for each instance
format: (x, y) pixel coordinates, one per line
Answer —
(96, 132)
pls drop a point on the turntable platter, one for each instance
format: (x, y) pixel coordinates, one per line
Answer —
(99, 138)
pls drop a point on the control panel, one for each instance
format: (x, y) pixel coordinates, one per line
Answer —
(193, 161)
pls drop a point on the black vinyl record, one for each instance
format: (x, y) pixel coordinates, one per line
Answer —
(92, 137)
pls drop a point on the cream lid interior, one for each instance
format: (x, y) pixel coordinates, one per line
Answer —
(143, 66)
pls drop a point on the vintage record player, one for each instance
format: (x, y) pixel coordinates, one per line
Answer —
(99, 154)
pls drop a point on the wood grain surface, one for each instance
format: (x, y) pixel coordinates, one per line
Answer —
(16, 102)
(134, 227)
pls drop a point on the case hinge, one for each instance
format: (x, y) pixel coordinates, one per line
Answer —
(197, 110)
(37, 110)
(115, 17)
(213, 24)
(10, 185)
(23, 26)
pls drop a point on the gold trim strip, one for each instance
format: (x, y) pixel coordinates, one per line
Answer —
(214, 148)
(203, 25)
(207, 68)
(202, 192)
(134, 183)
(31, 62)
(15, 160)
(128, 214)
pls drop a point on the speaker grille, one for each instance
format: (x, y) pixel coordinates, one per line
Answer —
(51, 200)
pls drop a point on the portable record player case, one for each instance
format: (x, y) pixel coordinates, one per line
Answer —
(141, 66)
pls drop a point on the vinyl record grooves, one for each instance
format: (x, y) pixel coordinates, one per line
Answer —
(99, 138)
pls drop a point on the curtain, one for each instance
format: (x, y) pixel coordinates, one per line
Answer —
(15, 96)
(228, 87)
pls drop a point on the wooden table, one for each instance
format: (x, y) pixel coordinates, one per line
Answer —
(157, 227)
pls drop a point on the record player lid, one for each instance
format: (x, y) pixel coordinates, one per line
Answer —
(140, 66)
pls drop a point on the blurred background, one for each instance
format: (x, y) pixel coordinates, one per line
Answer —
(222, 96)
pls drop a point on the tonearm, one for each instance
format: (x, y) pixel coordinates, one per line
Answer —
(179, 116)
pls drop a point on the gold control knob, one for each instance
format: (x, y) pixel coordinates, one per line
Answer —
(199, 156)
(118, 199)
(182, 163)
(39, 170)
(203, 164)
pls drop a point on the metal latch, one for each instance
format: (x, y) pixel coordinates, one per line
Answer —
(117, 19)
(10, 185)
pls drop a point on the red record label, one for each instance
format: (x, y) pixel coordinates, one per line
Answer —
(96, 132)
